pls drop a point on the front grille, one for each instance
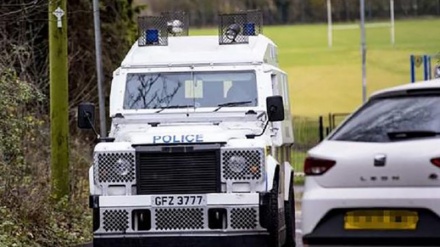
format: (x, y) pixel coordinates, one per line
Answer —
(179, 219)
(115, 220)
(243, 218)
(178, 172)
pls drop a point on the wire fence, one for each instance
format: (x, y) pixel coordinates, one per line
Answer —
(309, 132)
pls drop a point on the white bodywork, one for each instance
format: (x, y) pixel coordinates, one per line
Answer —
(227, 126)
(354, 182)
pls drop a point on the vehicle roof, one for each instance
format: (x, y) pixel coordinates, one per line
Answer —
(189, 50)
(429, 84)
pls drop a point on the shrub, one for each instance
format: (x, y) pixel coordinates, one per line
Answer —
(30, 217)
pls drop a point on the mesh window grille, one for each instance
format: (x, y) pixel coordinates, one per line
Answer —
(115, 220)
(243, 218)
(179, 219)
(242, 164)
(114, 167)
(152, 30)
(236, 28)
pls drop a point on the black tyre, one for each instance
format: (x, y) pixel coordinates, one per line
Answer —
(274, 228)
(289, 210)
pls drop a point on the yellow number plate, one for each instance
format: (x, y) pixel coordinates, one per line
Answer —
(381, 220)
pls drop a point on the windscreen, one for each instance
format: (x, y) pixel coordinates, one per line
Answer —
(377, 119)
(196, 89)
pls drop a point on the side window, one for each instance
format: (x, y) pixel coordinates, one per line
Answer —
(280, 87)
(274, 78)
(285, 85)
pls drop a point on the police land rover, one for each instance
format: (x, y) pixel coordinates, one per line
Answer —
(199, 148)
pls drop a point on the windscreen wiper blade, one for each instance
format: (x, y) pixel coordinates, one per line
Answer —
(173, 107)
(402, 135)
(233, 103)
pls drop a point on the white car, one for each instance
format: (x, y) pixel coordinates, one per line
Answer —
(376, 178)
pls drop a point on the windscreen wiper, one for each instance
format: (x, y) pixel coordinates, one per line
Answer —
(234, 103)
(173, 107)
(402, 135)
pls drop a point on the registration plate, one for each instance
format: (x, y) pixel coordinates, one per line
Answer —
(178, 200)
(381, 220)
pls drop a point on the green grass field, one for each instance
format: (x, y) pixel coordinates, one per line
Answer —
(324, 80)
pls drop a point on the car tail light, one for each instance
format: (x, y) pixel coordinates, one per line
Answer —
(436, 162)
(315, 166)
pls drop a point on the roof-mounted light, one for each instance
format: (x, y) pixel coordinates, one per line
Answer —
(152, 31)
(232, 32)
(152, 36)
(175, 27)
(236, 28)
(249, 29)
(177, 23)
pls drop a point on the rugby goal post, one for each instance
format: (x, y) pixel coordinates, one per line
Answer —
(425, 63)
(330, 26)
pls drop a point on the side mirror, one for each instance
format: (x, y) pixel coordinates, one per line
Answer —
(275, 108)
(86, 115)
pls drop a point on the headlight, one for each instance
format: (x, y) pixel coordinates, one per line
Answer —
(237, 163)
(123, 167)
(242, 164)
(114, 167)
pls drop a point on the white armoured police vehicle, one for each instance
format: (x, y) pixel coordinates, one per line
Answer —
(199, 147)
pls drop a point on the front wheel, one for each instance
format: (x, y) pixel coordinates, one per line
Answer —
(274, 228)
(289, 210)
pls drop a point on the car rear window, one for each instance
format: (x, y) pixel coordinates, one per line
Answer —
(378, 117)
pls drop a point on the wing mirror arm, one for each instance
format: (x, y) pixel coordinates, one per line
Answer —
(275, 112)
(92, 126)
(252, 136)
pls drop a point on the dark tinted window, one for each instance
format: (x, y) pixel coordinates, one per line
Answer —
(381, 116)
(199, 89)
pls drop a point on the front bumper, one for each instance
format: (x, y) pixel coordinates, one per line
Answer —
(134, 216)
